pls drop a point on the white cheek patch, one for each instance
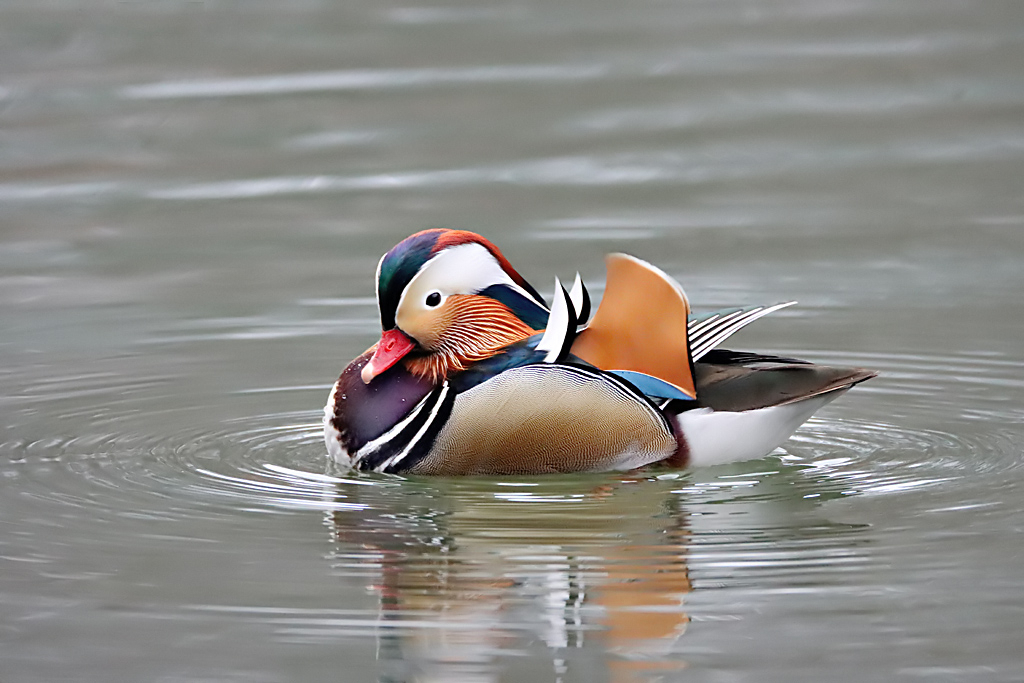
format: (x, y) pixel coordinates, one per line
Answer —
(463, 269)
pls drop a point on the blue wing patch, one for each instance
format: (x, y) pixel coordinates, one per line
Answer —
(651, 386)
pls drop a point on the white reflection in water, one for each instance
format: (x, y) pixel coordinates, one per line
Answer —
(470, 572)
(454, 15)
(468, 575)
(361, 79)
(335, 138)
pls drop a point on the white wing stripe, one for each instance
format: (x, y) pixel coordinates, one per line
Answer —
(720, 334)
(707, 334)
(699, 339)
(706, 327)
(697, 326)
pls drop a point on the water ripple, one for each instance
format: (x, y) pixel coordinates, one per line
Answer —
(623, 562)
(361, 79)
(276, 461)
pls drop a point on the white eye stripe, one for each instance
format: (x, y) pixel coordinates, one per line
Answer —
(462, 269)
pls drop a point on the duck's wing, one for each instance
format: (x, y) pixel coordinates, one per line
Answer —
(736, 382)
(708, 330)
(546, 417)
(640, 326)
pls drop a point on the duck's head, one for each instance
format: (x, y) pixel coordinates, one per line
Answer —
(448, 298)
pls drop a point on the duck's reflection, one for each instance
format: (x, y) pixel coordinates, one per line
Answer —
(472, 575)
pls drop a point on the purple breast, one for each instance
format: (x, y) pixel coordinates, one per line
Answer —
(362, 412)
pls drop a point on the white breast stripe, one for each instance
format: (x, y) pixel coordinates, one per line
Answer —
(371, 447)
(395, 459)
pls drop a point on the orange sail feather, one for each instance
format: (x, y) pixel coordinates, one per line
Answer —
(640, 325)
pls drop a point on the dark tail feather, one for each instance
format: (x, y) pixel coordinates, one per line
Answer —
(747, 381)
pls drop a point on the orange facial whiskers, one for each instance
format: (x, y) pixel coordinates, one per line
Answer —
(472, 328)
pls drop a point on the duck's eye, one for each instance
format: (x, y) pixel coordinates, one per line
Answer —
(433, 299)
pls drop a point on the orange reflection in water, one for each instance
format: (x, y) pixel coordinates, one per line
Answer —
(476, 571)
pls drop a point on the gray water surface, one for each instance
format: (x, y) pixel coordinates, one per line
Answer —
(193, 198)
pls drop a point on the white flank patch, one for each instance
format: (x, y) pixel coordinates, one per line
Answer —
(717, 437)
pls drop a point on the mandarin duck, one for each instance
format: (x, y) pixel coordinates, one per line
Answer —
(475, 374)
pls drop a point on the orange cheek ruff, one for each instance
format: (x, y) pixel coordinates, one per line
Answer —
(466, 329)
